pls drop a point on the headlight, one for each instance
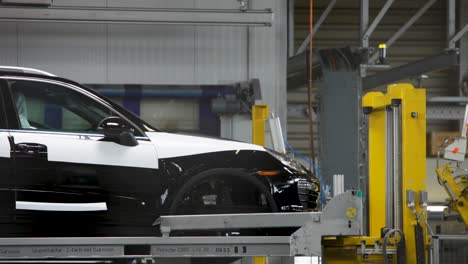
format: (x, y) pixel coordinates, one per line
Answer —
(288, 162)
(307, 195)
(303, 184)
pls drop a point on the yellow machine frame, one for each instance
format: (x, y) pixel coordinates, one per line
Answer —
(413, 156)
(413, 178)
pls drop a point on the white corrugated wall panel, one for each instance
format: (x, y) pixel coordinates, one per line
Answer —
(152, 3)
(127, 3)
(145, 54)
(70, 50)
(213, 4)
(268, 56)
(157, 54)
(94, 3)
(220, 55)
(8, 44)
(261, 61)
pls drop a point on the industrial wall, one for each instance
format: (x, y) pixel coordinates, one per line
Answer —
(341, 28)
(156, 54)
(427, 37)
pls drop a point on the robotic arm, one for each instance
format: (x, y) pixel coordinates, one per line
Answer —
(451, 176)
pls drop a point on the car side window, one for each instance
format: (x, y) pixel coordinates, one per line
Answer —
(51, 107)
(3, 119)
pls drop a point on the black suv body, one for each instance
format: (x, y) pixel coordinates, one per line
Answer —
(74, 163)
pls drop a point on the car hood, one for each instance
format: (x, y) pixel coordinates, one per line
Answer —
(169, 145)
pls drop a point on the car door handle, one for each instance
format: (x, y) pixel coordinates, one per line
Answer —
(31, 148)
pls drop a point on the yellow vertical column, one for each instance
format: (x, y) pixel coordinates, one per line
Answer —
(377, 160)
(259, 115)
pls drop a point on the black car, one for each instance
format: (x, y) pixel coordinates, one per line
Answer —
(74, 163)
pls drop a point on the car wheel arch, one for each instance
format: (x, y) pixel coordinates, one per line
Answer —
(232, 172)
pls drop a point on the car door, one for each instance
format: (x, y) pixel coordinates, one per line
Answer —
(64, 164)
(7, 199)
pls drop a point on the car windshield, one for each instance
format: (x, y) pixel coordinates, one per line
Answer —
(131, 116)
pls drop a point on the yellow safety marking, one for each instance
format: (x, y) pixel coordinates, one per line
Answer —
(351, 212)
(259, 115)
(259, 260)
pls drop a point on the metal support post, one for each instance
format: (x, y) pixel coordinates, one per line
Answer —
(397, 184)
(389, 195)
(316, 27)
(405, 27)
(377, 20)
(364, 22)
(463, 48)
(451, 9)
(362, 149)
(459, 35)
(291, 28)
(338, 100)
(435, 250)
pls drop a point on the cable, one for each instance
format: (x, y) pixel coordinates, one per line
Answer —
(310, 95)
(311, 164)
(385, 242)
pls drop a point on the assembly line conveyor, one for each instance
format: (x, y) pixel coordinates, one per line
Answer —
(341, 216)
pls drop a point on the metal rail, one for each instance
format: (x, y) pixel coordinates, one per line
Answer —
(397, 165)
(229, 221)
(342, 216)
(435, 258)
(227, 17)
(141, 247)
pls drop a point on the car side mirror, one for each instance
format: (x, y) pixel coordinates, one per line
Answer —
(117, 130)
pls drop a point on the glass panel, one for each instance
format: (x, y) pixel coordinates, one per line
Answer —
(2, 114)
(45, 106)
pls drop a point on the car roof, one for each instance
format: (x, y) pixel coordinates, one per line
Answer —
(14, 69)
(31, 72)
